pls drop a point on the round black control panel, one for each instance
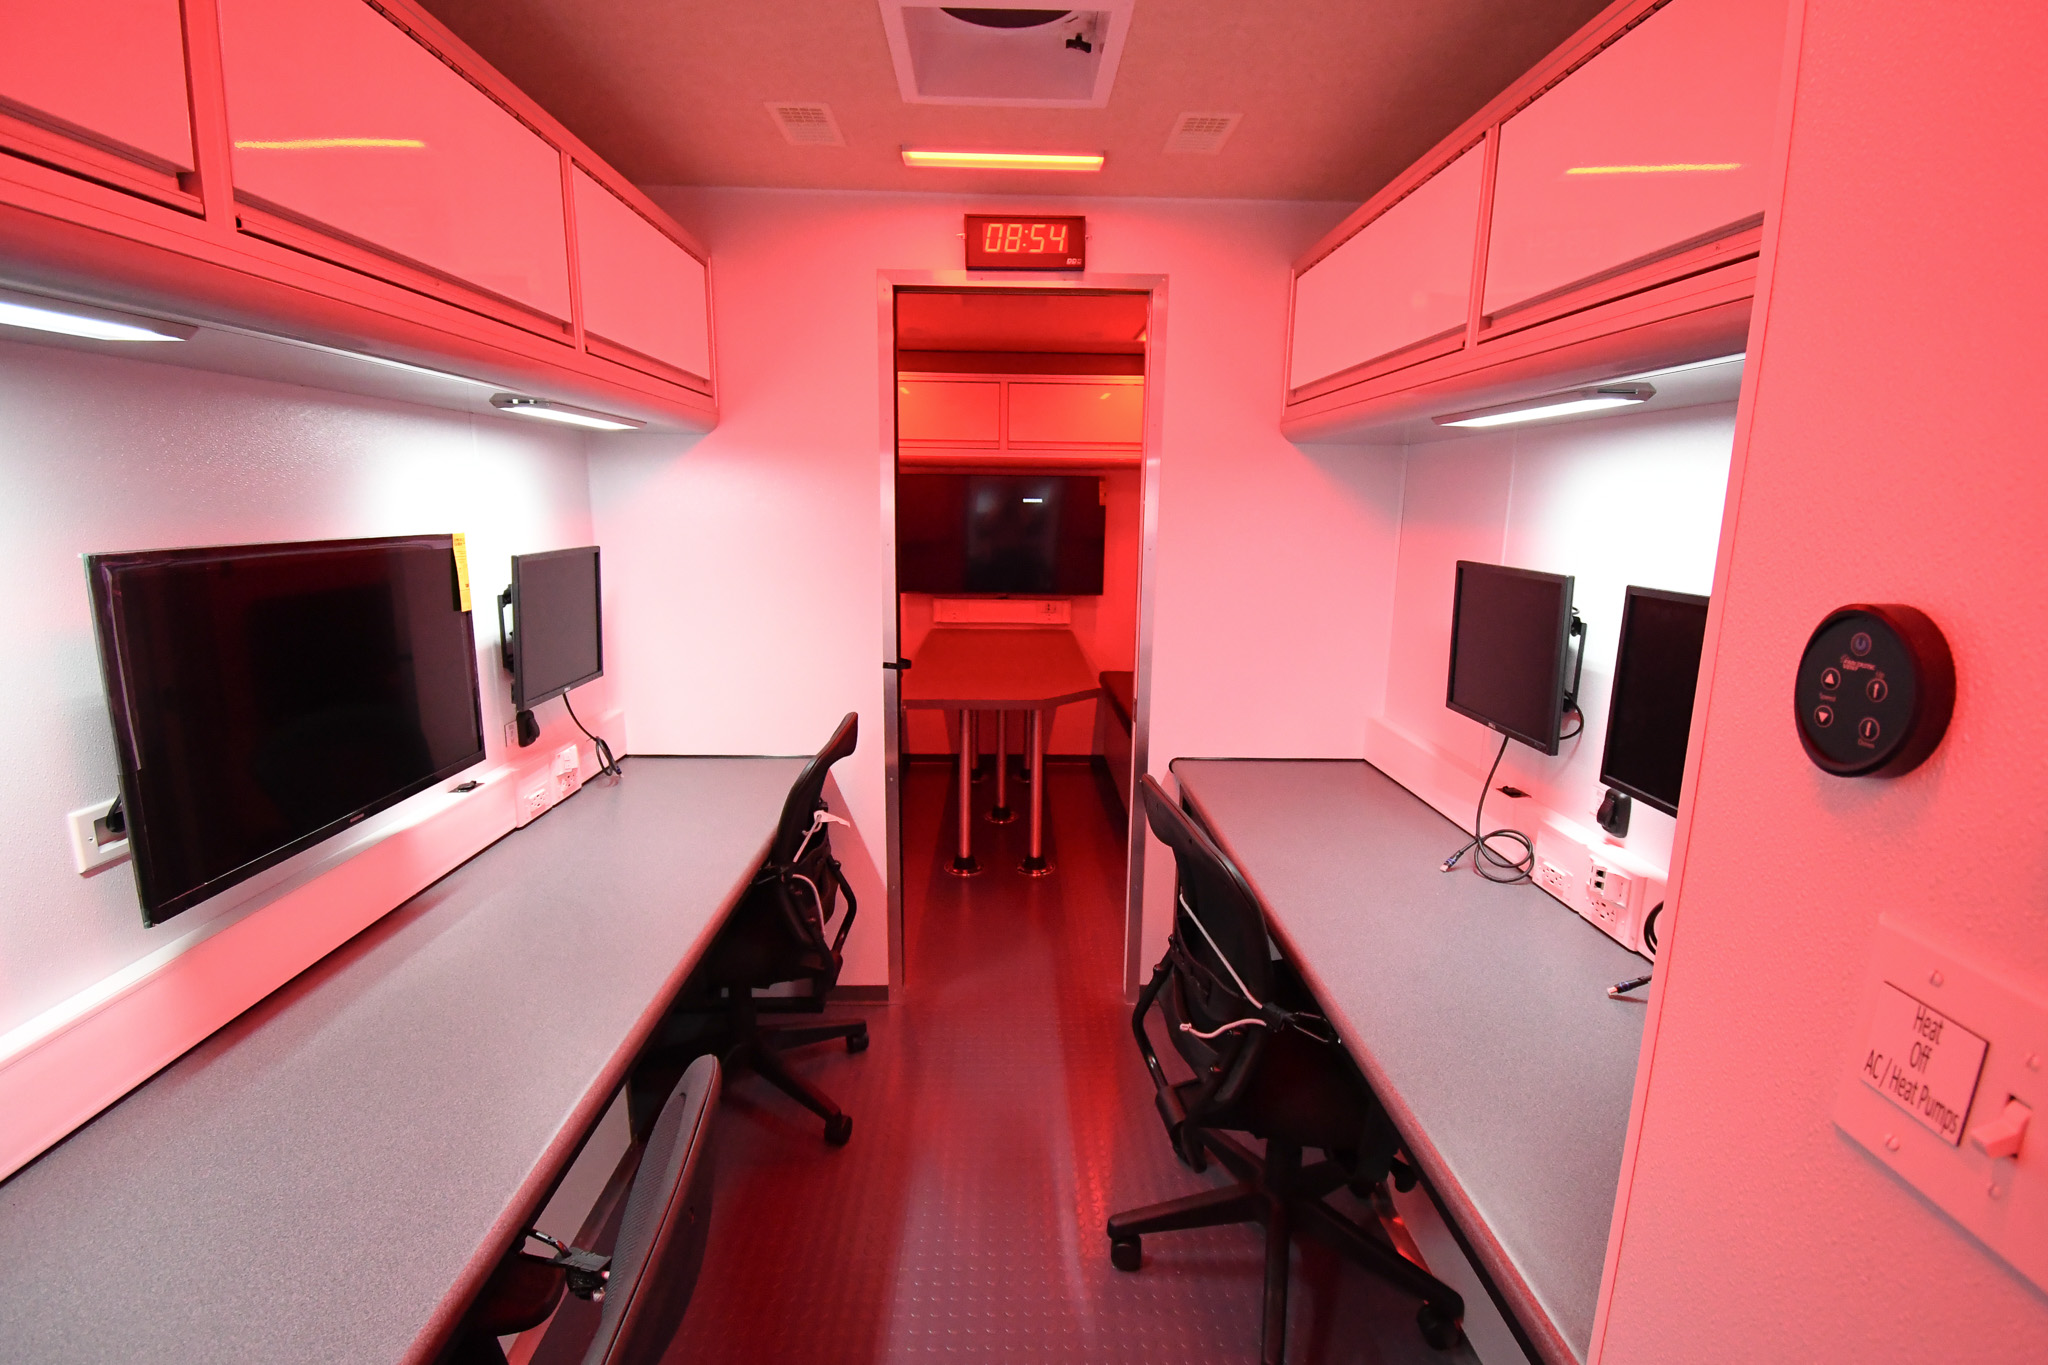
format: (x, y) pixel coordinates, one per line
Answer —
(1875, 689)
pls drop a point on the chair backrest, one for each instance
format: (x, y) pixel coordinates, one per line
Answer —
(808, 792)
(1232, 924)
(661, 1232)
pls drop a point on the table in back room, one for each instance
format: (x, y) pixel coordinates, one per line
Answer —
(1000, 669)
(1479, 1012)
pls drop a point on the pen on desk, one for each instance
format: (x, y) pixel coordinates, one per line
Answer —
(1622, 988)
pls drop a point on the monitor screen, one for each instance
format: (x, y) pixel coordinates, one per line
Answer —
(1000, 533)
(266, 696)
(557, 634)
(1649, 713)
(1510, 631)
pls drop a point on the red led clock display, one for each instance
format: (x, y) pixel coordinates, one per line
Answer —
(1026, 243)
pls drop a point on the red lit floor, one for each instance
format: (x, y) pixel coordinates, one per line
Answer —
(999, 1117)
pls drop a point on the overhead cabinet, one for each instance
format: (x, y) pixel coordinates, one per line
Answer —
(1660, 141)
(1632, 162)
(641, 290)
(1006, 419)
(342, 122)
(1403, 280)
(99, 87)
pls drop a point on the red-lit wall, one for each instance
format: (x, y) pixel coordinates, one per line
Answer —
(1890, 450)
(749, 566)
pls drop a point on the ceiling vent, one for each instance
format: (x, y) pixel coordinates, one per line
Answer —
(806, 125)
(1201, 134)
(1006, 56)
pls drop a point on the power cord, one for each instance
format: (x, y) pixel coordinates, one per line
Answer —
(606, 764)
(1487, 861)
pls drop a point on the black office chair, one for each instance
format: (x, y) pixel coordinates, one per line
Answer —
(777, 934)
(1264, 1063)
(645, 1284)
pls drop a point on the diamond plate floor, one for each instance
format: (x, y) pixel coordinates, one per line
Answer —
(999, 1118)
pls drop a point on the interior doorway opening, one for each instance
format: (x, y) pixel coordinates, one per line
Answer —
(1018, 480)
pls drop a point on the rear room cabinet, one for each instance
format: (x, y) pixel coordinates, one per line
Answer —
(99, 87)
(342, 122)
(641, 290)
(1008, 419)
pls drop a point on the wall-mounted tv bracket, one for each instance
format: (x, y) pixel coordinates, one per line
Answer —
(1578, 632)
(524, 725)
(1874, 691)
(505, 631)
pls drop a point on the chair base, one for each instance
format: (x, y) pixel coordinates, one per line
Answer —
(759, 1046)
(1283, 1197)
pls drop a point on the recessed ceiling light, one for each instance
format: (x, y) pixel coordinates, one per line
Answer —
(1563, 404)
(1003, 161)
(548, 410)
(38, 314)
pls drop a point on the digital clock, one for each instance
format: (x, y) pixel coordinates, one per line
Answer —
(1026, 243)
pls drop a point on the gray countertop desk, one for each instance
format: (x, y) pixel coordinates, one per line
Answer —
(330, 1177)
(1478, 1012)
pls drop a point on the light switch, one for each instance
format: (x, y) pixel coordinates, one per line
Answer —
(1944, 1070)
(2003, 1135)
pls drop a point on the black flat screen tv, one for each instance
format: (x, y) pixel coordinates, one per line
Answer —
(265, 697)
(1649, 712)
(1510, 639)
(557, 639)
(1000, 534)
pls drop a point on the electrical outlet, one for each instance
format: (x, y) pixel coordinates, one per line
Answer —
(1554, 879)
(568, 772)
(1609, 888)
(536, 795)
(93, 845)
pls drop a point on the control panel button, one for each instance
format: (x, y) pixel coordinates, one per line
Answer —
(1874, 690)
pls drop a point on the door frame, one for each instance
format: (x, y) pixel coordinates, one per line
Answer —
(887, 285)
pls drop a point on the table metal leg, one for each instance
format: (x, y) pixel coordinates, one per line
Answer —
(1035, 864)
(1001, 814)
(974, 747)
(963, 862)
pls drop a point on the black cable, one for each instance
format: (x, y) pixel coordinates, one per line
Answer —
(606, 764)
(1574, 734)
(1484, 856)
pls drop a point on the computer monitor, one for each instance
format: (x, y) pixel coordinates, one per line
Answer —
(264, 697)
(1511, 633)
(1649, 714)
(556, 640)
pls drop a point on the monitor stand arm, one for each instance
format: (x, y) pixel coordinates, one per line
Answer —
(1578, 632)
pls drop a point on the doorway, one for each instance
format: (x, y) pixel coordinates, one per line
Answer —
(1020, 477)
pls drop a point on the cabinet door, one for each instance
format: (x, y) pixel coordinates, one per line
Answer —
(640, 289)
(1076, 414)
(110, 73)
(948, 411)
(342, 121)
(1403, 279)
(1660, 140)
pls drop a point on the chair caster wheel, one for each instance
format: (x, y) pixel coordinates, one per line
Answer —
(857, 1042)
(1439, 1328)
(1125, 1253)
(839, 1129)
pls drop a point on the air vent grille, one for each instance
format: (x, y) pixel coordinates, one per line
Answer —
(1201, 134)
(807, 125)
